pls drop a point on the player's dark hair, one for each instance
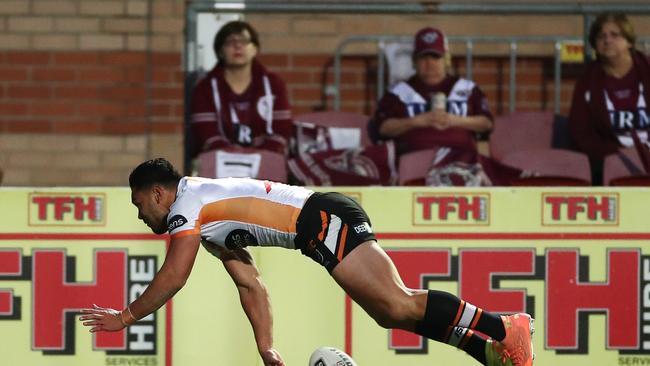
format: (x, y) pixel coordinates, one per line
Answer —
(621, 20)
(154, 171)
(234, 27)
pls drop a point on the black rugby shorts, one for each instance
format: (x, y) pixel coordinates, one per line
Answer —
(330, 226)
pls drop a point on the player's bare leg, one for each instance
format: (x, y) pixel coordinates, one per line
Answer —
(369, 276)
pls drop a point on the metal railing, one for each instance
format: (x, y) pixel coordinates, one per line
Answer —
(469, 42)
(194, 7)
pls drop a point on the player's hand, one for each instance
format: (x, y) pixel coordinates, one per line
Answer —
(271, 357)
(102, 319)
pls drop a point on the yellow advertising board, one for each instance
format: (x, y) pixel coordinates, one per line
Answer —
(65, 249)
(577, 259)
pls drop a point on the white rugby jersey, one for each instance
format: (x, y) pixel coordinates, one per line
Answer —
(237, 212)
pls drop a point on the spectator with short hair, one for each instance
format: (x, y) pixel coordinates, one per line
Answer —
(406, 112)
(239, 102)
(609, 110)
(436, 110)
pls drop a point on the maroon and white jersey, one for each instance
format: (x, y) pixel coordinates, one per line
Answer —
(626, 106)
(604, 110)
(258, 117)
(409, 98)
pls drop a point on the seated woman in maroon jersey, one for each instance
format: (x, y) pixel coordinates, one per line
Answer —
(239, 102)
(609, 101)
(437, 110)
(406, 112)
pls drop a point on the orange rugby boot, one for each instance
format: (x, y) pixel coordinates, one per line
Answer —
(496, 354)
(518, 341)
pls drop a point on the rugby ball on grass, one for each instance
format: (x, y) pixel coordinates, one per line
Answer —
(330, 356)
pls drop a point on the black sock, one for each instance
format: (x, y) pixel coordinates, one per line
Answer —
(469, 341)
(434, 332)
(475, 347)
(444, 309)
(441, 308)
(492, 325)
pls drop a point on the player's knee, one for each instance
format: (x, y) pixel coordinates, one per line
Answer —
(391, 315)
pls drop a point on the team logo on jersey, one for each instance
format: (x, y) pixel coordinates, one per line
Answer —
(175, 222)
(240, 238)
(244, 134)
(463, 93)
(264, 105)
(363, 228)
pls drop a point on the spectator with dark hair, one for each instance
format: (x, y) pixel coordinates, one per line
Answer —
(240, 102)
(608, 110)
(406, 112)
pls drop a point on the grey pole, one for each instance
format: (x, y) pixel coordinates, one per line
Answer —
(513, 76)
(558, 76)
(378, 7)
(587, 20)
(468, 59)
(381, 66)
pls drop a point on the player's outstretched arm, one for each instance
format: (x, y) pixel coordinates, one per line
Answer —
(255, 301)
(172, 277)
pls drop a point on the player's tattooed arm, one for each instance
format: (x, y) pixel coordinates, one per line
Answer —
(172, 277)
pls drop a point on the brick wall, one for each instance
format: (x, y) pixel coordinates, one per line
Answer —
(308, 75)
(90, 92)
(86, 117)
(89, 88)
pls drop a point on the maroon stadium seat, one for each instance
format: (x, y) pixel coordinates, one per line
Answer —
(521, 131)
(337, 119)
(631, 181)
(621, 168)
(413, 167)
(333, 119)
(554, 164)
(549, 181)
